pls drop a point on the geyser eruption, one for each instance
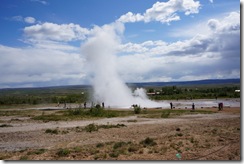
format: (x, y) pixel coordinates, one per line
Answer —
(100, 51)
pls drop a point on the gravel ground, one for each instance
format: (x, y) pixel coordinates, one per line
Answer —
(196, 137)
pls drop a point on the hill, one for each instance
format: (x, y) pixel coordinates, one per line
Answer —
(186, 83)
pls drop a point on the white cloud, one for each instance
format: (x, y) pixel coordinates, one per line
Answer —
(17, 18)
(214, 55)
(130, 17)
(40, 1)
(164, 12)
(30, 20)
(25, 66)
(51, 60)
(51, 45)
(56, 32)
(20, 18)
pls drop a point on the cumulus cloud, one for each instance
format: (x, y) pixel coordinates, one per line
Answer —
(56, 32)
(24, 66)
(214, 55)
(51, 60)
(30, 20)
(164, 12)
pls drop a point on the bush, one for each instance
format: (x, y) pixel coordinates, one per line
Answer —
(91, 127)
(55, 131)
(97, 111)
(99, 145)
(119, 144)
(63, 152)
(137, 109)
(114, 154)
(148, 142)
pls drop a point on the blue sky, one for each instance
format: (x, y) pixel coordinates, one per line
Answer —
(168, 40)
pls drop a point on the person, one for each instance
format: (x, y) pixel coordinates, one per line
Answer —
(84, 105)
(103, 104)
(221, 106)
(193, 106)
(171, 105)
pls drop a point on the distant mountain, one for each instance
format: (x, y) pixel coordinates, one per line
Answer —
(145, 84)
(184, 83)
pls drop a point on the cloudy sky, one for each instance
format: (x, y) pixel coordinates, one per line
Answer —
(159, 41)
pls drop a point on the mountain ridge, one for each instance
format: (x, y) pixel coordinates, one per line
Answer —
(148, 84)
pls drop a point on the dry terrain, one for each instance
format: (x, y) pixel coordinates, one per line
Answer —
(195, 136)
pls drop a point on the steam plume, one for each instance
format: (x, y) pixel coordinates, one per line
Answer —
(100, 51)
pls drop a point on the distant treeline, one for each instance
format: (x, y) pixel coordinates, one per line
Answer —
(77, 94)
(174, 92)
(42, 99)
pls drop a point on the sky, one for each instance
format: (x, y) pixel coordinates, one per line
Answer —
(159, 41)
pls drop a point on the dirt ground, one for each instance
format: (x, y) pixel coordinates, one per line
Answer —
(187, 137)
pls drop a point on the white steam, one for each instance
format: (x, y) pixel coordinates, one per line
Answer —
(100, 51)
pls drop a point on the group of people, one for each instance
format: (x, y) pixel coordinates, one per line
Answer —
(220, 106)
(103, 105)
(171, 106)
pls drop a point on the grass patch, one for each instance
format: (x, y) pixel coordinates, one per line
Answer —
(168, 113)
(80, 114)
(165, 114)
(63, 152)
(98, 112)
(37, 152)
(22, 113)
(23, 158)
(51, 117)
